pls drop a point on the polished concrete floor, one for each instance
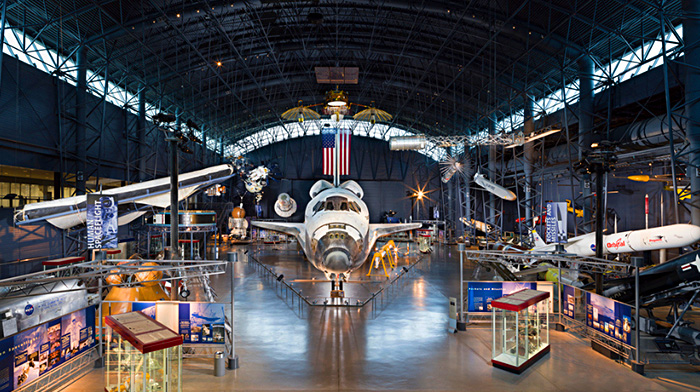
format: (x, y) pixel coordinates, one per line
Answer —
(402, 345)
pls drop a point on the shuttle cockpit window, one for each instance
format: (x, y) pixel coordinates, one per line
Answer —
(354, 207)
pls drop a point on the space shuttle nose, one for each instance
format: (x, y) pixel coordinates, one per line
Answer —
(337, 261)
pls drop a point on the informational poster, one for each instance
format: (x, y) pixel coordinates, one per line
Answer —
(197, 322)
(480, 294)
(102, 221)
(31, 353)
(568, 306)
(556, 223)
(612, 318)
(202, 322)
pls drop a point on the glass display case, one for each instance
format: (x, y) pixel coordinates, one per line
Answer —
(142, 355)
(520, 323)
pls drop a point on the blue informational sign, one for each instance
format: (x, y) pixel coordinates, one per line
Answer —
(480, 294)
(102, 221)
(556, 223)
(612, 318)
(569, 301)
(202, 322)
(148, 308)
(29, 354)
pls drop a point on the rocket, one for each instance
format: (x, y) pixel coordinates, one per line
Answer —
(660, 282)
(496, 189)
(656, 238)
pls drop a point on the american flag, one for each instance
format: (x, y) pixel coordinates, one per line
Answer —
(329, 150)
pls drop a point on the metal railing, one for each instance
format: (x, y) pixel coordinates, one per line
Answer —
(299, 300)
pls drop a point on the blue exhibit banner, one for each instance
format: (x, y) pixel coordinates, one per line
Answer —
(569, 301)
(556, 223)
(202, 322)
(612, 318)
(480, 294)
(102, 221)
(26, 356)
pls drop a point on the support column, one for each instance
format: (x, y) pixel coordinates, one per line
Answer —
(529, 157)
(2, 35)
(174, 213)
(141, 136)
(585, 130)
(492, 170)
(450, 210)
(80, 118)
(691, 37)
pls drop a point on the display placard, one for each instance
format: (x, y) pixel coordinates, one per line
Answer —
(29, 354)
(480, 294)
(556, 223)
(102, 221)
(612, 318)
(568, 307)
(197, 322)
(202, 322)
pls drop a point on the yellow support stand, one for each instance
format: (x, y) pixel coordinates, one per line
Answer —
(388, 254)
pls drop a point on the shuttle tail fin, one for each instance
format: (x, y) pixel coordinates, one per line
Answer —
(537, 239)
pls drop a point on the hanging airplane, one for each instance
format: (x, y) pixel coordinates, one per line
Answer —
(336, 235)
(134, 200)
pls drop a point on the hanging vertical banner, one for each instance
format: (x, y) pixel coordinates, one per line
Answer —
(556, 223)
(101, 220)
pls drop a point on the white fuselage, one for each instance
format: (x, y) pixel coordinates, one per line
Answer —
(665, 237)
(337, 227)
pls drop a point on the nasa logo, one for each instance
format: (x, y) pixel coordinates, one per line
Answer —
(28, 310)
(616, 244)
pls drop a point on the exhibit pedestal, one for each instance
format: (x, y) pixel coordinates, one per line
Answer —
(233, 363)
(604, 350)
(520, 325)
(638, 367)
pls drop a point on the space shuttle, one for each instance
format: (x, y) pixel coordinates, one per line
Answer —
(336, 235)
(663, 237)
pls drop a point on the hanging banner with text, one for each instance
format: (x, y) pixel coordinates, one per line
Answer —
(556, 223)
(102, 221)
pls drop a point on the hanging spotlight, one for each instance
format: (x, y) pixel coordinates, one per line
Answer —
(164, 118)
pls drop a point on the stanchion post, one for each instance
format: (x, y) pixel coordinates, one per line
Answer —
(461, 323)
(637, 366)
(233, 358)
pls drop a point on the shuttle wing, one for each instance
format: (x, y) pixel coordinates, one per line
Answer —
(296, 229)
(377, 230)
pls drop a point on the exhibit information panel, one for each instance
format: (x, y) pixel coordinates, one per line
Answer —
(612, 318)
(33, 352)
(197, 322)
(480, 293)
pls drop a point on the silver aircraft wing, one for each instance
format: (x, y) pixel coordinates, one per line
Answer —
(296, 229)
(70, 211)
(377, 230)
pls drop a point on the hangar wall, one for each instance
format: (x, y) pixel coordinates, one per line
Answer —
(385, 176)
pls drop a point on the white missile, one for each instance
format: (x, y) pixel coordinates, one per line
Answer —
(496, 189)
(478, 225)
(656, 238)
(285, 206)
